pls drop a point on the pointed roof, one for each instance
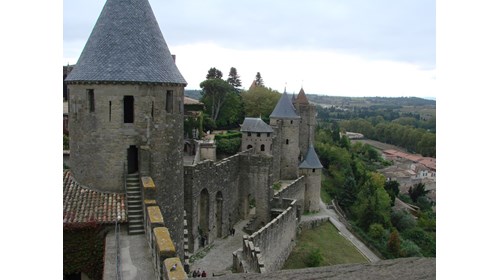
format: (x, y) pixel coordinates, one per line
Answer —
(255, 125)
(284, 109)
(311, 161)
(301, 98)
(253, 85)
(126, 45)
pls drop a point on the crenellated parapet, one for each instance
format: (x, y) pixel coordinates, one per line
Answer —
(158, 237)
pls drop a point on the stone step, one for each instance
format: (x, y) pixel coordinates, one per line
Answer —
(134, 205)
(135, 217)
(135, 231)
(136, 226)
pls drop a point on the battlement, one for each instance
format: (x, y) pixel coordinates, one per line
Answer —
(158, 237)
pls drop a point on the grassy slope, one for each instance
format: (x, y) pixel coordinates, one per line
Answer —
(334, 248)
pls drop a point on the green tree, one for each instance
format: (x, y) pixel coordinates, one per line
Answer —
(392, 188)
(377, 231)
(233, 78)
(214, 73)
(214, 94)
(373, 204)
(231, 114)
(409, 249)
(417, 191)
(260, 102)
(403, 220)
(258, 80)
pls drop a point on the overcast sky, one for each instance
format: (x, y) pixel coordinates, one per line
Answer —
(333, 47)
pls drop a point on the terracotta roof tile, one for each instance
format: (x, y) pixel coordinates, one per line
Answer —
(82, 205)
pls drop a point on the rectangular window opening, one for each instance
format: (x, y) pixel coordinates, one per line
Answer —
(90, 97)
(152, 111)
(109, 110)
(170, 101)
(128, 109)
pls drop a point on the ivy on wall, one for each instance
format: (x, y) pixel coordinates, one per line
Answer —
(83, 249)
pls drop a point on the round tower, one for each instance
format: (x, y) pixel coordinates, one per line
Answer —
(285, 123)
(126, 109)
(311, 168)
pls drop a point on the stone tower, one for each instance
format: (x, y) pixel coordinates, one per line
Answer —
(311, 167)
(125, 106)
(307, 126)
(285, 123)
(258, 135)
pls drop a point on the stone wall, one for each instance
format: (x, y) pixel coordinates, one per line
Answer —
(221, 182)
(296, 190)
(307, 126)
(267, 249)
(158, 237)
(257, 140)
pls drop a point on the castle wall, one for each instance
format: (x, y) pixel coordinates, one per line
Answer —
(296, 191)
(255, 181)
(217, 177)
(267, 249)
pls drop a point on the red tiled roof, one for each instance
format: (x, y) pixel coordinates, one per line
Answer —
(82, 205)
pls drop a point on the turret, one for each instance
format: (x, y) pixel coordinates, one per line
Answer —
(285, 123)
(311, 168)
(256, 134)
(126, 109)
(307, 112)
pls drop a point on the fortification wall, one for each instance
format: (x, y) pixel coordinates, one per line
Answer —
(288, 131)
(255, 182)
(307, 127)
(160, 242)
(219, 183)
(296, 190)
(267, 249)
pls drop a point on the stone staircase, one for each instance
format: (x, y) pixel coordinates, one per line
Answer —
(134, 205)
(187, 254)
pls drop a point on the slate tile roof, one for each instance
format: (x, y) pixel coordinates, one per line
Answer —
(82, 205)
(311, 160)
(126, 45)
(255, 125)
(284, 109)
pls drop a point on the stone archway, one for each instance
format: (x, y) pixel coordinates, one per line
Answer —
(218, 213)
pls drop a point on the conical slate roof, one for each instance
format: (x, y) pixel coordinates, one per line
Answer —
(301, 98)
(126, 45)
(311, 161)
(284, 109)
(255, 125)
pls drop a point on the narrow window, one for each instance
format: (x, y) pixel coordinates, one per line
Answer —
(262, 147)
(170, 101)
(152, 111)
(109, 110)
(90, 97)
(287, 141)
(314, 170)
(249, 134)
(258, 134)
(268, 134)
(291, 122)
(128, 109)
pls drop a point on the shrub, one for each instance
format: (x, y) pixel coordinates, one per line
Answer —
(228, 146)
(377, 231)
(409, 249)
(403, 220)
(314, 258)
(394, 244)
